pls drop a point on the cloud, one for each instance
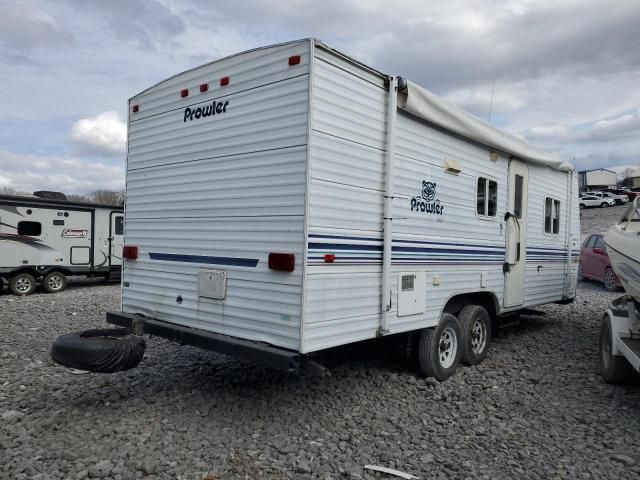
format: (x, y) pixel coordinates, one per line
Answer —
(104, 134)
(566, 74)
(28, 28)
(28, 173)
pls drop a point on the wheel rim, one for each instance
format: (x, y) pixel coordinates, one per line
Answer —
(23, 285)
(55, 282)
(478, 336)
(448, 347)
(609, 281)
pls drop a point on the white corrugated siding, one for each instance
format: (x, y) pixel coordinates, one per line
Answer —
(220, 193)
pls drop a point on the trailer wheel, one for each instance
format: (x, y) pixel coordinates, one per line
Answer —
(580, 277)
(22, 284)
(615, 368)
(54, 282)
(439, 348)
(101, 350)
(609, 280)
(475, 324)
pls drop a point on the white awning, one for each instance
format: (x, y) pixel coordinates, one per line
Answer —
(426, 105)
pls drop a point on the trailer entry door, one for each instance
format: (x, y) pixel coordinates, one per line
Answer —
(116, 242)
(516, 234)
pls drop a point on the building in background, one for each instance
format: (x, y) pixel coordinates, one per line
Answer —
(596, 179)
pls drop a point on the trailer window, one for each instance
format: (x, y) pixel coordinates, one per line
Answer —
(32, 229)
(486, 197)
(119, 226)
(551, 216)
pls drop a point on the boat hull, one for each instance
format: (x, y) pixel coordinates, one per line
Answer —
(624, 253)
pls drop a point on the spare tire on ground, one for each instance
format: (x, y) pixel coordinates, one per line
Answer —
(105, 350)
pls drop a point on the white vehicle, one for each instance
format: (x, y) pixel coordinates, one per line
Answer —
(45, 240)
(618, 199)
(620, 329)
(590, 200)
(290, 199)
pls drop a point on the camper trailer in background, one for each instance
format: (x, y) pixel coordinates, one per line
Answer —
(45, 240)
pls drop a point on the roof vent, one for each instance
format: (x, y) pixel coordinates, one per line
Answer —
(50, 195)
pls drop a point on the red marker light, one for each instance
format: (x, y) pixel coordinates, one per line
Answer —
(184, 92)
(130, 252)
(224, 81)
(204, 87)
(329, 258)
(284, 262)
(135, 109)
(294, 60)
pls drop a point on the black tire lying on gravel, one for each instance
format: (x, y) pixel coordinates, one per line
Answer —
(105, 350)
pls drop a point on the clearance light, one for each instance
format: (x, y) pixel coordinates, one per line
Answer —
(284, 262)
(135, 109)
(224, 81)
(184, 92)
(294, 60)
(204, 87)
(329, 258)
(129, 252)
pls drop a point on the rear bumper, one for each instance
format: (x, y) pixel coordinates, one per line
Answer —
(247, 350)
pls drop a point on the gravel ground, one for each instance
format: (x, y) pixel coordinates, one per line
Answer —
(536, 408)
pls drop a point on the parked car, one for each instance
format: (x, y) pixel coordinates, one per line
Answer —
(590, 200)
(595, 264)
(622, 191)
(618, 199)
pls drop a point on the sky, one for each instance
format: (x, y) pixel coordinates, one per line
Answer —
(565, 76)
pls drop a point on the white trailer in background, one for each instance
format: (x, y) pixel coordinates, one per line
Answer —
(46, 240)
(290, 199)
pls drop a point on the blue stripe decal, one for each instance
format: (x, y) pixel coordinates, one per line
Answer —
(367, 250)
(237, 262)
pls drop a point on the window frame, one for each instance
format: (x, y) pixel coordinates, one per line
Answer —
(556, 208)
(488, 180)
(29, 234)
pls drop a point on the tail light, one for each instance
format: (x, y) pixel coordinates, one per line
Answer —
(329, 258)
(130, 252)
(294, 60)
(184, 92)
(204, 87)
(224, 81)
(283, 262)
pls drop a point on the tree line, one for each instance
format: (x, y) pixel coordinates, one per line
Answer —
(104, 197)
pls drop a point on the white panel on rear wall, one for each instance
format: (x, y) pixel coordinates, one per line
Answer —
(246, 185)
(220, 193)
(246, 71)
(270, 117)
(260, 304)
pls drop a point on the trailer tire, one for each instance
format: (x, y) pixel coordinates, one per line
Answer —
(54, 282)
(439, 348)
(475, 324)
(22, 284)
(101, 350)
(615, 369)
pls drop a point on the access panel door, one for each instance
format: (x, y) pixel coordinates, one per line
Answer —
(516, 234)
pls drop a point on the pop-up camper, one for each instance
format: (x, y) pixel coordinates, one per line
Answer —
(289, 199)
(47, 239)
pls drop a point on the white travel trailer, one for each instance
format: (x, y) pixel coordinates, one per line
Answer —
(46, 240)
(290, 199)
